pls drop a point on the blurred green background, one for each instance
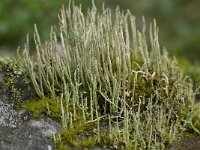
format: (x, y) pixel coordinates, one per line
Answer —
(178, 21)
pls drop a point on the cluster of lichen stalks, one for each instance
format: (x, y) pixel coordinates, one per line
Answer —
(103, 71)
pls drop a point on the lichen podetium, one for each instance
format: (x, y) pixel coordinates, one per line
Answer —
(106, 71)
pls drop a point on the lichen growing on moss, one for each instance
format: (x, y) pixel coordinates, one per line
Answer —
(107, 72)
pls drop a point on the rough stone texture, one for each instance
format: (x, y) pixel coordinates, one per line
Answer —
(18, 130)
(46, 126)
(187, 143)
(23, 138)
(8, 116)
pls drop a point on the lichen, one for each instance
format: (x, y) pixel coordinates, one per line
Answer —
(107, 73)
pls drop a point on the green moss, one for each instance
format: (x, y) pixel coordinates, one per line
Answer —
(60, 145)
(49, 107)
(106, 140)
(196, 118)
(88, 143)
(81, 135)
(136, 62)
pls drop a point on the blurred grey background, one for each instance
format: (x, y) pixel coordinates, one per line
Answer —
(178, 21)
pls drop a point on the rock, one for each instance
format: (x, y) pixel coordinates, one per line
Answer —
(23, 138)
(8, 116)
(186, 143)
(46, 126)
(18, 130)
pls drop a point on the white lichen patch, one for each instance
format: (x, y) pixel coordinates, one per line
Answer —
(9, 116)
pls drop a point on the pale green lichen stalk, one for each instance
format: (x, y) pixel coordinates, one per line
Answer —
(104, 70)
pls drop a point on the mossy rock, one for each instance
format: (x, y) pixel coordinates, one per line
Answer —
(18, 86)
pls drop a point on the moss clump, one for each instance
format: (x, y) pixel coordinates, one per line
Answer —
(106, 140)
(81, 135)
(60, 145)
(49, 107)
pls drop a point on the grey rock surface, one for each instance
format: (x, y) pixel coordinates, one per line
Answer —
(18, 130)
(23, 138)
(8, 115)
(186, 143)
(46, 126)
